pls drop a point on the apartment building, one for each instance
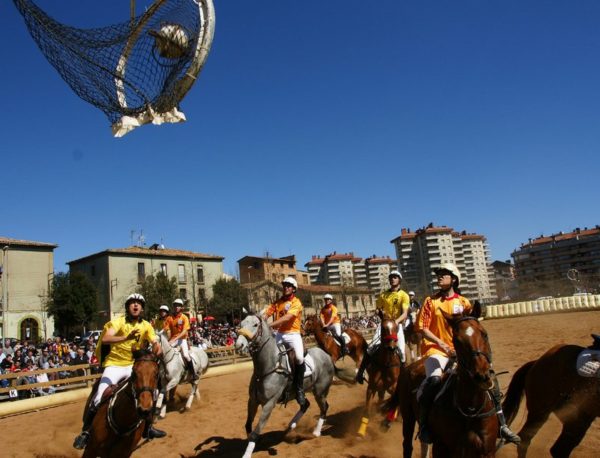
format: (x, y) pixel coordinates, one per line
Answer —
(346, 269)
(117, 272)
(504, 277)
(571, 258)
(420, 252)
(26, 270)
(255, 269)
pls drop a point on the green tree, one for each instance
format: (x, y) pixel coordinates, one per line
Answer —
(228, 298)
(157, 290)
(72, 302)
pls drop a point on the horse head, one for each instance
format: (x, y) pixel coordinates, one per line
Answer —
(389, 333)
(144, 379)
(310, 324)
(473, 351)
(250, 333)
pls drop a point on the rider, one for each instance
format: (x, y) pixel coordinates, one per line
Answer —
(330, 319)
(437, 346)
(160, 322)
(392, 303)
(122, 335)
(178, 326)
(413, 309)
(288, 322)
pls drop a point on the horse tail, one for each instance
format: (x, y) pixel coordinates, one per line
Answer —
(516, 390)
(346, 375)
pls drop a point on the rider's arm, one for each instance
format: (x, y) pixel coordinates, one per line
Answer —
(287, 318)
(110, 337)
(432, 337)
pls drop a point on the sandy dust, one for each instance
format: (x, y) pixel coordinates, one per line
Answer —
(215, 425)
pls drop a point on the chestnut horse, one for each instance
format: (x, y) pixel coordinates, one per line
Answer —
(551, 384)
(383, 369)
(120, 420)
(463, 417)
(413, 337)
(356, 347)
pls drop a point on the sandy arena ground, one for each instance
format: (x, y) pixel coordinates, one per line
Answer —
(215, 425)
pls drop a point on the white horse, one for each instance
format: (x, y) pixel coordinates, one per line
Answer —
(175, 373)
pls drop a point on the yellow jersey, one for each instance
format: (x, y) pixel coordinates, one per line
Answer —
(393, 303)
(430, 317)
(330, 311)
(281, 308)
(121, 354)
(159, 324)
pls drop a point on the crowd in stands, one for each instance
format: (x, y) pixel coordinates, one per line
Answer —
(362, 322)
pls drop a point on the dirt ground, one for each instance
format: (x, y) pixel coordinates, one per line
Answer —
(215, 425)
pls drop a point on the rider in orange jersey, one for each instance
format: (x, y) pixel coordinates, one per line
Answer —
(437, 346)
(178, 326)
(330, 320)
(287, 312)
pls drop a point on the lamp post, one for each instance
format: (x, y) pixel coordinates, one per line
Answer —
(4, 290)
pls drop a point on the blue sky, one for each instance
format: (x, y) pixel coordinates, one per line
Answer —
(318, 126)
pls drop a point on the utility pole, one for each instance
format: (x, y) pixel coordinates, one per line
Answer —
(4, 291)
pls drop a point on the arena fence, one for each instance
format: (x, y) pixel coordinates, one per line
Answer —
(550, 305)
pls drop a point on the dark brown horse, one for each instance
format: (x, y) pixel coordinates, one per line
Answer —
(463, 418)
(356, 347)
(120, 421)
(383, 369)
(551, 384)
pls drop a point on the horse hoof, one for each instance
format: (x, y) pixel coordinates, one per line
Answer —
(317, 433)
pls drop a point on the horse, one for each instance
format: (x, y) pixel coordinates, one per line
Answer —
(463, 417)
(356, 347)
(551, 384)
(175, 373)
(271, 379)
(119, 423)
(383, 369)
(412, 336)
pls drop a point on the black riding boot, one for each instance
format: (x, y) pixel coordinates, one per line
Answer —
(81, 441)
(299, 385)
(150, 432)
(189, 364)
(505, 432)
(360, 375)
(342, 342)
(425, 403)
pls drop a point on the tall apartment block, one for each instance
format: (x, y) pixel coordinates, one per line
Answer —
(551, 258)
(346, 269)
(423, 250)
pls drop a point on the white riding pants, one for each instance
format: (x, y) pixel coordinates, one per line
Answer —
(435, 365)
(184, 348)
(111, 376)
(400, 343)
(292, 341)
(335, 329)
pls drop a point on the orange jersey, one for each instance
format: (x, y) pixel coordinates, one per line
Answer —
(176, 324)
(430, 317)
(281, 308)
(330, 311)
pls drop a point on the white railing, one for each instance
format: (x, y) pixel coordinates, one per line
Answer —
(537, 306)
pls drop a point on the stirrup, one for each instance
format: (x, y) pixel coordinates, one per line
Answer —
(81, 440)
(508, 435)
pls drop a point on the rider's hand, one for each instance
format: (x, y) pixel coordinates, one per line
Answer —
(133, 334)
(447, 348)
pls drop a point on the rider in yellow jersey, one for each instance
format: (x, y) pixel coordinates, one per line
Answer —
(121, 336)
(437, 347)
(330, 320)
(393, 304)
(159, 323)
(287, 312)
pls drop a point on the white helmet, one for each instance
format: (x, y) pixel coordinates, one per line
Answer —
(328, 296)
(396, 273)
(411, 293)
(291, 280)
(164, 307)
(178, 303)
(450, 267)
(135, 297)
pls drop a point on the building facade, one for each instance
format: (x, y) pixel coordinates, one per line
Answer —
(421, 251)
(118, 272)
(504, 277)
(561, 263)
(27, 268)
(255, 269)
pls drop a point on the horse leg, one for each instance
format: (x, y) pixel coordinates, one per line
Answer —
(532, 425)
(572, 433)
(264, 416)
(188, 403)
(159, 403)
(362, 430)
(323, 406)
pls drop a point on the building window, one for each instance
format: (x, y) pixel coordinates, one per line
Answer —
(183, 293)
(201, 294)
(163, 269)
(93, 271)
(141, 272)
(181, 273)
(200, 274)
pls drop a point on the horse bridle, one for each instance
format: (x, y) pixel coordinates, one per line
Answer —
(253, 347)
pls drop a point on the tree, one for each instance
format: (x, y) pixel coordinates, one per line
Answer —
(72, 302)
(228, 298)
(157, 290)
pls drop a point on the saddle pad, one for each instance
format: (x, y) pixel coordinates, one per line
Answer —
(309, 364)
(346, 339)
(588, 363)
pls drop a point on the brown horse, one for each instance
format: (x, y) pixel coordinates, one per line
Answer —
(463, 418)
(413, 337)
(356, 347)
(551, 384)
(120, 421)
(383, 369)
